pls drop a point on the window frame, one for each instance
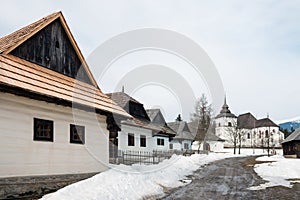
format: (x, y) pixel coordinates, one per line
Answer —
(81, 139)
(185, 146)
(36, 136)
(143, 141)
(160, 142)
(130, 139)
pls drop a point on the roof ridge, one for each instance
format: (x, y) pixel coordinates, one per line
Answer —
(12, 39)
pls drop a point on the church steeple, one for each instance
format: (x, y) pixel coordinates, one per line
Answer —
(225, 107)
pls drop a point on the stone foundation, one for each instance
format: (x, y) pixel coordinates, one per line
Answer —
(34, 187)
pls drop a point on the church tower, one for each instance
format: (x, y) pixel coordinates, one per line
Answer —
(225, 122)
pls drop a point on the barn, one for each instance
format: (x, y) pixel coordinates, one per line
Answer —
(291, 145)
(54, 119)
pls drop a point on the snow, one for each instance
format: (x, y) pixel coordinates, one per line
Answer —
(249, 151)
(277, 171)
(137, 181)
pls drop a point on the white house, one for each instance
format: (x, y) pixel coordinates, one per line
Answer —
(138, 133)
(183, 139)
(53, 116)
(210, 142)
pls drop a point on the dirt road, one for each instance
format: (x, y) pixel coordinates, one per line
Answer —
(229, 179)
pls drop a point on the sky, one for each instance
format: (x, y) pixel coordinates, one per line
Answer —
(254, 45)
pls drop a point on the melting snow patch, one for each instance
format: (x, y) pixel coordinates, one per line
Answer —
(278, 172)
(137, 181)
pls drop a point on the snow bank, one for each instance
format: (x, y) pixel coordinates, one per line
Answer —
(250, 151)
(277, 171)
(136, 181)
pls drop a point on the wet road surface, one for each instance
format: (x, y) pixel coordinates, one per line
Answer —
(229, 179)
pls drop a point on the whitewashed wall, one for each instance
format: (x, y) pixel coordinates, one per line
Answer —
(215, 146)
(20, 155)
(179, 145)
(222, 128)
(137, 131)
(166, 145)
(151, 141)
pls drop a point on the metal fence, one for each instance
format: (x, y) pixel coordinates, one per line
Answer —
(145, 157)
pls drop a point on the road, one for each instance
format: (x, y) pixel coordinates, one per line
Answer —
(229, 179)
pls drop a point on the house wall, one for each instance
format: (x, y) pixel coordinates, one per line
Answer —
(137, 131)
(291, 148)
(179, 144)
(216, 146)
(164, 147)
(20, 155)
(151, 141)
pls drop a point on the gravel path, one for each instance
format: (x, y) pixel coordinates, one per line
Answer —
(229, 179)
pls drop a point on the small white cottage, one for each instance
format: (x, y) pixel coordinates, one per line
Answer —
(54, 119)
(139, 133)
(183, 139)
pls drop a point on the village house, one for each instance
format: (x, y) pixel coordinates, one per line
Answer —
(253, 133)
(208, 142)
(139, 133)
(183, 139)
(55, 121)
(291, 145)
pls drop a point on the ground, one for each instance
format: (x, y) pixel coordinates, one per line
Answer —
(230, 179)
(199, 176)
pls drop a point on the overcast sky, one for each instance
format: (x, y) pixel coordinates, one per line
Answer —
(255, 45)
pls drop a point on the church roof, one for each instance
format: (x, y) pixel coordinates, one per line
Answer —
(22, 77)
(225, 112)
(295, 136)
(265, 122)
(247, 121)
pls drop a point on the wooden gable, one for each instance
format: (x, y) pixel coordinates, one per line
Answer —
(51, 48)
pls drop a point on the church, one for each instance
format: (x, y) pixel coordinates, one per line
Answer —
(246, 130)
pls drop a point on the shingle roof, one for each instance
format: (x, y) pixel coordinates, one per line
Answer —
(182, 130)
(20, 74)
(247, 121)
(121, 98)
(209, 136)
(152, 113)
(295, 136)
(18, 36)
(225, 112)
(266, 122)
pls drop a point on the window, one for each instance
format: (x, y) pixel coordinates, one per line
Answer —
(143, 141)
(229, 124)
(160, 142)
(43, 130)
(248, 136)
(77, 134)
(267, 134)
(170, 146)
(186, 146)
(219, 124)
(130, 139)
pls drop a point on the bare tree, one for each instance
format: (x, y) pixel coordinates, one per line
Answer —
(241, 139)
(232, 133)
(202, 118)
